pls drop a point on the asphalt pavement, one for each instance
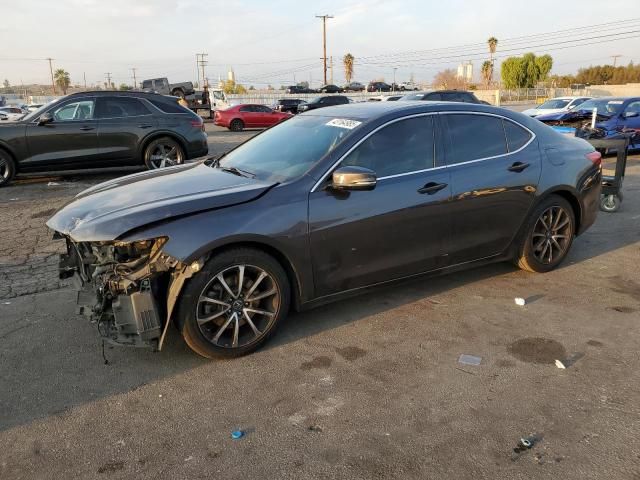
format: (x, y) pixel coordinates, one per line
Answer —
(366, 388)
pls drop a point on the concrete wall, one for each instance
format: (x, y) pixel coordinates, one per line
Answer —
(627, 90)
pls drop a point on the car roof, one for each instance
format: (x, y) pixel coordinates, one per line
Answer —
(118, 93)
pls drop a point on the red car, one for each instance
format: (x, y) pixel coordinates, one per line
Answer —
(248, 116)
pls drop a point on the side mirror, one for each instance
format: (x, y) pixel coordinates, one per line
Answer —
(630, 114)
(353, 178)
(45, 118)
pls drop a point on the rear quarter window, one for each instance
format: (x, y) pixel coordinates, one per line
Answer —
(168, 107)
(517, 137)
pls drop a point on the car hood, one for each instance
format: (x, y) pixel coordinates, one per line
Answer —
(572, 115)
(111, 209)
(534, 112)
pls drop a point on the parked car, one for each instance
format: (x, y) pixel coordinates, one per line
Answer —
(378, 87)
(288, 105)
(408, 86)
(162, 85)
(614, 116)
(321, 102)
(320, 207)
(355, 87)
(34, 106)
(12, 113)
(386, 98)
(101, 129)
(3, 118)
(239, 117)
(556, 105)
(299, 89)
(445, 96)
(330, 89)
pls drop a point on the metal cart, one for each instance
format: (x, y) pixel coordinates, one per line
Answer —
(612, 185)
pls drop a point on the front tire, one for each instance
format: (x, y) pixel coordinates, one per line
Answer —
(163, 152)
(234, 304)
(548, 235)
(7, 168)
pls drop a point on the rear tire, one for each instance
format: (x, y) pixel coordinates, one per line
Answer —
(7, 168)
(547, 235)
(236, 125)
(234, 304)
(163, 152)
(610, 203)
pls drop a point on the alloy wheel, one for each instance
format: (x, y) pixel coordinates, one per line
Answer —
(165, 155)
(4, 169)
(237, 306)
(552, 235)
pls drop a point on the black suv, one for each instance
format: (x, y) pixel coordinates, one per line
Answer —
(288, 105)
(101, 129)
(320, 102)
(446, 96)
(299, 89)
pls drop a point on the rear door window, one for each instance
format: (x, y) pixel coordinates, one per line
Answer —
(168, 107)
(402, 147)
(433, 97)
(517, 137)
(474, 137)
(120, 107)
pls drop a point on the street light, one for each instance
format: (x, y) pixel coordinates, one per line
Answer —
(394, 79)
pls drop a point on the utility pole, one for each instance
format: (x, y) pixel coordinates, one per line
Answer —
(84, 76)
(615, 59)
(324, 43)
(201, 63)
(53, 84)
(135, 80)
(394, 78)
(109, 85)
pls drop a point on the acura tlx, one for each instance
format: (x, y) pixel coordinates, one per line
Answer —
(324, 205)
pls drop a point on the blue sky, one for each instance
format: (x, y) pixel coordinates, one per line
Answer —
(271, 42)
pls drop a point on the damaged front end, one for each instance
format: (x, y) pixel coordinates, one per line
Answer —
(128, 288)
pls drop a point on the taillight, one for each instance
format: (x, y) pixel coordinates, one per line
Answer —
(198, 124)
(595, 157)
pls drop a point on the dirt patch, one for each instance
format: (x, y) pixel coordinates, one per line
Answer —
(45, 213)
(504, 363)
(316, 362)
(351, 353)
(537, 350)
(626, 287)
(595, 343)
(111, 467)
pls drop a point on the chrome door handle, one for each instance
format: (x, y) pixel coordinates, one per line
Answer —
(86, 128)
(518, 167)
(431, 188)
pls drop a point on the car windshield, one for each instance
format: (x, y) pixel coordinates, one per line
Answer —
(604, 106)
(555, 103)
(289, 149)
(36, 113)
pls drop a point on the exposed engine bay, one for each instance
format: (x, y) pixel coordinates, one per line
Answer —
(124, 287)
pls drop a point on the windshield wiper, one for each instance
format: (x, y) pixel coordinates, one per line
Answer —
(237, 171)
(214, 161)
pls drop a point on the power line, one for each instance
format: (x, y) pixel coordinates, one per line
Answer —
(202, 62)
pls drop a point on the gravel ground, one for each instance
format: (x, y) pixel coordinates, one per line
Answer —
(365, 388)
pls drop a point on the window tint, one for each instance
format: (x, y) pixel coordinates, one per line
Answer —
(402, 147)
(432, 97)
(146, 84)
(517, 136)
(120, 107)
(633, 107)
(74, 111)
(168, 107)
(475, 136)
(247, 108)
(262, 109)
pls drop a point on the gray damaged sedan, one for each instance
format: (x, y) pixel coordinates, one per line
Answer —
(319, 207)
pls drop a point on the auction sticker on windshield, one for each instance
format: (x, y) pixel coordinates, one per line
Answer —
(615, 102)
(343, 123)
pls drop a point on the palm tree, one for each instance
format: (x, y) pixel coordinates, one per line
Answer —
(62, 79)
(487, 72)
(348, 67)
(493, 44)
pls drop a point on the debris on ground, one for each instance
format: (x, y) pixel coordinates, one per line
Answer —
(570, 360)
(238, 434)
(52, 184)
(520, 301)
(525, 444)
(315, 428)
(469, 359)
